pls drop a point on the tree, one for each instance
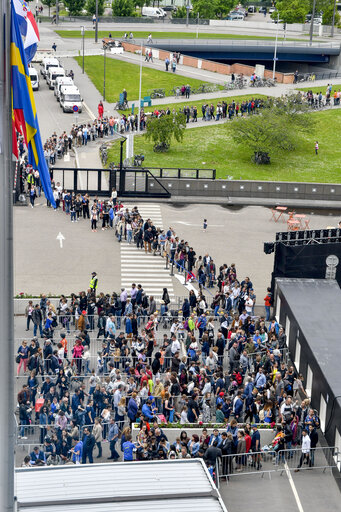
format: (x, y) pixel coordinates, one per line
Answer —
(141, 3)
(327, 17)
(279, 127)
(181, 13)
(91, 7)
(75, 6)
(292, 11)
(49, 3)
(123, 8)
(161, 130)
(213, 8)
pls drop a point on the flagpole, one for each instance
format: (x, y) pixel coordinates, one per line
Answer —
(6, 270)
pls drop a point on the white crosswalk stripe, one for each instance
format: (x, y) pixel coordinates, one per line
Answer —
(141, 268)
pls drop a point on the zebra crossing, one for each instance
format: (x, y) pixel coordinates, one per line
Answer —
(141, 268)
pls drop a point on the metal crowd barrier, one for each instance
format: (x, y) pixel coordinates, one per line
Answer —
(268, 462)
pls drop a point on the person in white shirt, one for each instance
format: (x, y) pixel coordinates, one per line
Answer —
(248, 305)
(211, 361)
(305, 451)
(175, 347)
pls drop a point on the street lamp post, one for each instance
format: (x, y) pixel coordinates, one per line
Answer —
(96, 25)
(312, 23)
(83, 34)
(333, 22)
(187, 12)
(197, 25)
(140, 91)
(105, 54)
(57, 12)
(275, 53)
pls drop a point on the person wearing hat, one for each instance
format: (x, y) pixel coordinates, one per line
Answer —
(93, 283)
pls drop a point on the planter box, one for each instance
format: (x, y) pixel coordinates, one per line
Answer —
(266, 434)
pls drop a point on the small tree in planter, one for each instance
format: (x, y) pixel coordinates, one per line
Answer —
(162, 129)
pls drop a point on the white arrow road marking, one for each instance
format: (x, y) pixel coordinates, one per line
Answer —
(60, 237)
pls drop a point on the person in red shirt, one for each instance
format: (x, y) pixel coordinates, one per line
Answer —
(100, 110)
(247, 440)
(268, 303)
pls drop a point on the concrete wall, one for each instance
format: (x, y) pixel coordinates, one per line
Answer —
(208, 65)
(256, 189)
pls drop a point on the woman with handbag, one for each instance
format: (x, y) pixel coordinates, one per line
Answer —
(22, 357)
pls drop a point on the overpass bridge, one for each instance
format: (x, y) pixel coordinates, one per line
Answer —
(236, 50)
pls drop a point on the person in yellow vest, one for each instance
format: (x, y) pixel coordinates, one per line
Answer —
(93, 283)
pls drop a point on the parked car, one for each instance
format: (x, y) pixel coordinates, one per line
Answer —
(235, 17)
(263, 10)
(170, 8)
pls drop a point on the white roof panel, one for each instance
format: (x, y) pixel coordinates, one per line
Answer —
(209, 504)
(100, 483)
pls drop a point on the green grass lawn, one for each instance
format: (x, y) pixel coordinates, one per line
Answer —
(90, 34)
(124, 75)
(212, 147)
(323, 88)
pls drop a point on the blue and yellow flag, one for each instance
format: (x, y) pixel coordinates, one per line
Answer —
(24, 109)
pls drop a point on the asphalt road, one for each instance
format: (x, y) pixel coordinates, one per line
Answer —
(50, 115)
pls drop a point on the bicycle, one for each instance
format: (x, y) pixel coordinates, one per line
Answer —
(158, 93)
(138, 160)
(122, 106)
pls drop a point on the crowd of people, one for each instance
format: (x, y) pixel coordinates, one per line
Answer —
(213, 363)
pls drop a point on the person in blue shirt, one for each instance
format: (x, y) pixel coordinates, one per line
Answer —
(37, 457)
(260, 380)
(111, 217)
(238, 406)
(147, 410)
(128, 449)
(77, 451)
(215, 437)
(257, 340)
(193, 445)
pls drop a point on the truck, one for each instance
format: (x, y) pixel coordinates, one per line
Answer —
(69, 98)
(153, 12)
(62, 81)
(48, 62)
(52, 74)
(34, 78)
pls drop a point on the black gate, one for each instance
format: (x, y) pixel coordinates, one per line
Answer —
(130, 182)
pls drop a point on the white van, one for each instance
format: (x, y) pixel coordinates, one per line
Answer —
(52, 74)
(34, 78)
(48, 62)
(62, 81)
(153, 12)
(70, 97)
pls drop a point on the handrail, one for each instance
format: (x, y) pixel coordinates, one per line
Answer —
(243, 43)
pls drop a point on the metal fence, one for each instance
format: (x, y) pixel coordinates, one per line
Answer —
(271, 461)
(183, 173)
